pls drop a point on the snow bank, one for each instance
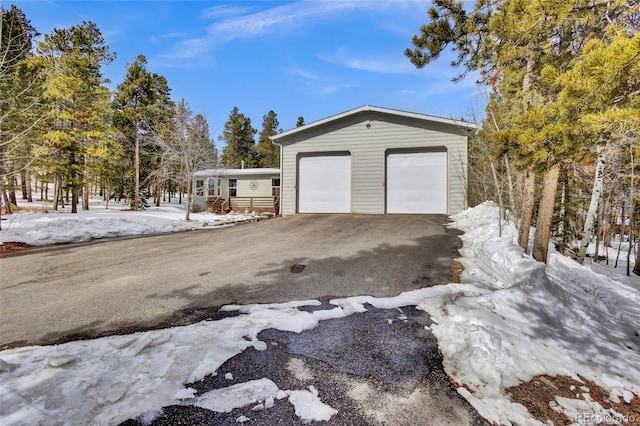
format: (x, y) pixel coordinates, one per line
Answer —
(64, 227)
(560, 320)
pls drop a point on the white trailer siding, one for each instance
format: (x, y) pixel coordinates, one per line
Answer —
(250, 183)
(254, 186)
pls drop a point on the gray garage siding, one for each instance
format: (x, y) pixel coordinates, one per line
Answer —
(368, 147)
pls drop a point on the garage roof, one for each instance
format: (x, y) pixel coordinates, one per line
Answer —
(370, 108)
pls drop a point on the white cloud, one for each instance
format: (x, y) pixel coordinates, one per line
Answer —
(395, 63)
(308, 75)
(276, 19)
(191, 48)
(169, 36)
(336, 87)
(224, 11)
(292, 14)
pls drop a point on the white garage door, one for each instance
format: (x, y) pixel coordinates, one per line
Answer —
(324, 184)
(417, 182)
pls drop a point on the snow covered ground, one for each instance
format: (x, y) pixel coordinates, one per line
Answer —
(509, 320)
(522, 319)
(39, 224)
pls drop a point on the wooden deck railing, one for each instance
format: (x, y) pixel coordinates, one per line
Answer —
(254, 204)
(216, 204)
(226, 206)
(213, 204)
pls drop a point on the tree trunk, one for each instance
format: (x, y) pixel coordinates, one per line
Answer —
(23, 185)
(75, 192)
(496, 183)
(75, 199)
(29, 189)
(631, 238)
(527, 209)
(87, 185)
(526, 216)
(632, 211)
(610, 226)
(136, 201)
(636, 268)
(563, 209)
(158, 190)
(56, 191)
(189, 196)
(510, 188)
(598, 230)
(7, 202)
(593, 209)
(14, 184)
(3, 194)
(620, 236)
(545, 214)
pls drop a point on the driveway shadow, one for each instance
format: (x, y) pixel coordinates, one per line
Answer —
(568, 324)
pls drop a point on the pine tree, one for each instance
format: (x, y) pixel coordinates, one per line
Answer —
(510, 42)
(267, 154)
(142, 106)
(22, 109)
(200, 134)
(600, 90)
(72, 61)
(239, 139)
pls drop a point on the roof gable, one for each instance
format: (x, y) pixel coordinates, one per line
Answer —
(385, 111)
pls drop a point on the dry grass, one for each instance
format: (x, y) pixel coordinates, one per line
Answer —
(11, 247)
(537, 394)
(456, 270)
(26, 208)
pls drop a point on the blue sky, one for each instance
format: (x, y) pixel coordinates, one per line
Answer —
(309, 58)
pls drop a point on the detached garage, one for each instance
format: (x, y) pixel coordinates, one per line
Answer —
(374, 160)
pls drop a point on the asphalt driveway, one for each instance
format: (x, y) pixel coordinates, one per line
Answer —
(88, 290)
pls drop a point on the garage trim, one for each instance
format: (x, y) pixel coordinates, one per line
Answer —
(303, 155)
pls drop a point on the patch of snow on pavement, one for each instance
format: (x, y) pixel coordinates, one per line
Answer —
(308, 406)
(112, 379)
(236, 396)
